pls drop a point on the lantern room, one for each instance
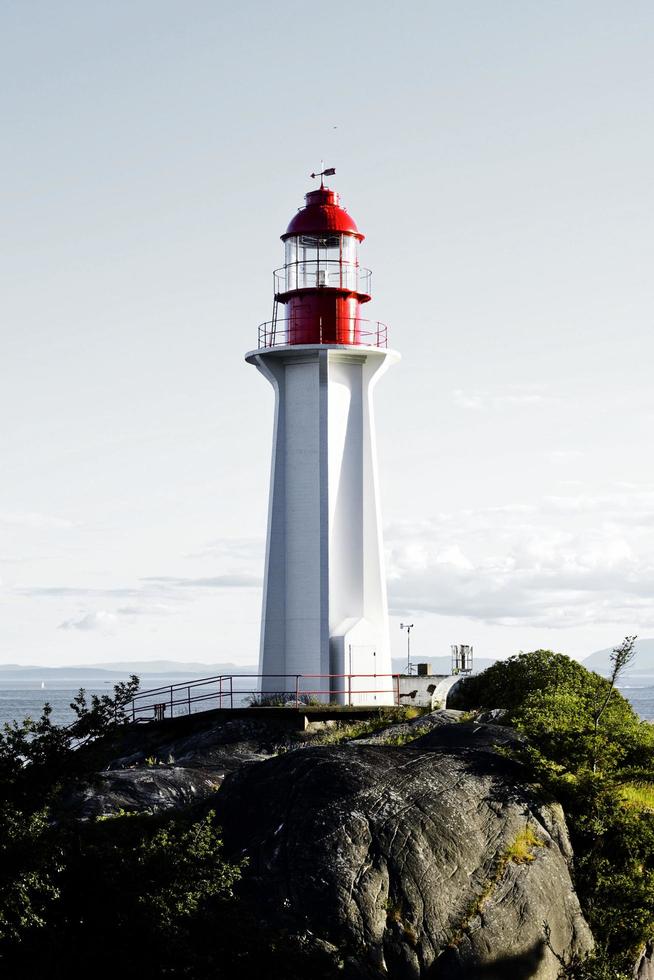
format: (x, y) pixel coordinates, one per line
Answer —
(321, 287)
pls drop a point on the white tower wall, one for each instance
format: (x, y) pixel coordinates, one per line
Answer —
(324, 602)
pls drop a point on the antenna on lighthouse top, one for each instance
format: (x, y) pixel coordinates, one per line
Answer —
(329, 172)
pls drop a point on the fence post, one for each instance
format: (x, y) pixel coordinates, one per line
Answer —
(231, 691)
(397, 685)
(188, 692)
(297, 689)
(220, 691)
(171, 701)
(349, 690)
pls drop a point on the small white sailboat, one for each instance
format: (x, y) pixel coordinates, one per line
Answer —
(43, 685)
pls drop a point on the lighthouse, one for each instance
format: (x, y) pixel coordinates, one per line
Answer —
(325, 613)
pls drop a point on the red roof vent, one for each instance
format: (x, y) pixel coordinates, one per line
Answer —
(322, 213)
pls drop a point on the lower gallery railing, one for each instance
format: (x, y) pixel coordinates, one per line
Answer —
(265, 690)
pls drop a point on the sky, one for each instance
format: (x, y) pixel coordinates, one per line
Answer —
(498, 155)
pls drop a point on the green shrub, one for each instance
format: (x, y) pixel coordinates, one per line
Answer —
(587, 748)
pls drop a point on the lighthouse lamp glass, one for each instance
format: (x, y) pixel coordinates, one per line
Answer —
(321, 260)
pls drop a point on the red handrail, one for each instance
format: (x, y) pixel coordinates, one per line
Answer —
(155, 701)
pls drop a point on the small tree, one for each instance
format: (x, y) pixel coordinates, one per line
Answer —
(104, 712)
(620, 659)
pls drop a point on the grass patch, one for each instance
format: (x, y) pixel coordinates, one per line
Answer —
(638, 796)
(467, 716)
(521, 851)
(411, 712)
(358, 729)
(401, 738)
(345, 733)
(284, 699)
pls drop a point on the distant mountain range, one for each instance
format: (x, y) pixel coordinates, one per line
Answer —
(121, 670)
(643, 662)
(147, 669)
(174, 668)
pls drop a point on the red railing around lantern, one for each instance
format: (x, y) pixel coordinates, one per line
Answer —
(359, 332)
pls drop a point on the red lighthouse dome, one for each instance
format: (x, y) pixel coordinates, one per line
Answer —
(321, 287)
(321, 214)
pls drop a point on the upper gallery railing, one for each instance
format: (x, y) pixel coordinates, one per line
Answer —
(332, 273)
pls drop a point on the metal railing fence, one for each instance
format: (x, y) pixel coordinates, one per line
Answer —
(331, 273)
(242, 690)
(336, 330)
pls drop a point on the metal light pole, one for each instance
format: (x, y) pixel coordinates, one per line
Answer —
(408, 627)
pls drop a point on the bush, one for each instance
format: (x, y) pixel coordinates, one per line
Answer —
(130, 896)
(587, 748)
(140, 888)
(555, 702)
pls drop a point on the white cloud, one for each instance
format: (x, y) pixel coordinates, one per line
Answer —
(105, 620)
(231, 549)
(100, 620)
(232, 580)
(571, 561)
(149, 609)
(35, 520)
(156, 595)
(517, 395)
(467, 399)
(152, 587)
(519, 398)
(564, 456)
(65, 591)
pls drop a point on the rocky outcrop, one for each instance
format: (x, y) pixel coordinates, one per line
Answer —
(142, 789)
(219, 746)
(431, 859)
(156, 769)
(416, 851)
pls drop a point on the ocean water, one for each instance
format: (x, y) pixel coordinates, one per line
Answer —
(640, 692)
(21, 698)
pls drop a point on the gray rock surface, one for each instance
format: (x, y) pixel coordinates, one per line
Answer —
(493, 715)
(221, 746)
(409, 861)
(644, 968)
(156, 769)
(143, 789)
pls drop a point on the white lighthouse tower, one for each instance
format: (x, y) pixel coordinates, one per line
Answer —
(325, 613)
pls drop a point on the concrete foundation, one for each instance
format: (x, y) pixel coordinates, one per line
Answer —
(427, 690)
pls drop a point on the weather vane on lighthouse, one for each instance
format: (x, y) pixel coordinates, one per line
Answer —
(324, 173)
(324, 601)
